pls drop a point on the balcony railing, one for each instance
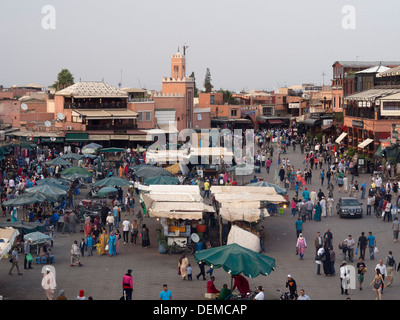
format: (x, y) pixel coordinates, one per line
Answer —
(111, 127)
(364, 113)
(139, 100)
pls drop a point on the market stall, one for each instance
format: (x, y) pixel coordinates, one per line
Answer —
(242, 206)
(180, 209)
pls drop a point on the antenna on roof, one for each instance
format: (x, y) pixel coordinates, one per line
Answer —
(184, 49)
(120, 83)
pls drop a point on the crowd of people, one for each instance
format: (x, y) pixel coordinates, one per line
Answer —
(328, 163)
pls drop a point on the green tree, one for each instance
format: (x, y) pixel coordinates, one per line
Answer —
(196, 91)
(227, 96)
(207, 81)
(64, 79)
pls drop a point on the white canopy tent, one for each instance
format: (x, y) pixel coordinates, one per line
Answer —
(241, 203)
(175, 202)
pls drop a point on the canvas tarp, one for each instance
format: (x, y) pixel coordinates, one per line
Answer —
(7, 238)
(244, 238)
(242, 189)
(174, 189)
(249, 197)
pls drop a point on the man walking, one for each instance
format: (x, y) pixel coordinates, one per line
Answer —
(27, 251)
(125, 229)
(14, 261)
(390, 268)
(395, 228)
(362, 244)
(371, 245)
(206, 189)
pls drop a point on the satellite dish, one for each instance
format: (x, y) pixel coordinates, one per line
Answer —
(195, 237)
(60, 116)
(47, 123)
(24, 106)
(149, 92)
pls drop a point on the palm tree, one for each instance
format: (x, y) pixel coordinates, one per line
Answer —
(64, 79)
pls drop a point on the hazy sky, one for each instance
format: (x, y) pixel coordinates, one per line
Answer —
(252, 44)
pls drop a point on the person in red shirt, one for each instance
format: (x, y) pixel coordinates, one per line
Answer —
(241, 284)
(211, 287)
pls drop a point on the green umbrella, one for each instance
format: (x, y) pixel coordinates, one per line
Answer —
(37, 237)
(236, 259)
(79, 170)
(26, 227)
(52, 180)
(161, 180)
(29, 198)
(112, 181)
(108, 150)
(279, 190)
(148, 172)
(106, 191)
(73, 156)
(50, 190)
(58, 162)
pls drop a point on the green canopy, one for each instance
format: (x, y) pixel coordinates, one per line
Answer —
(37, 237)
(236, 259)
(112, 181)
(29, 198)
(108, 150)
(106, 191)
(50, 190)
(72, 156)
(148, 172)
(52, 180)
(279, 190)
(79, 170)
(26, 227)
(58, 162)
(379, 152)
(161, 180)
(139, 166)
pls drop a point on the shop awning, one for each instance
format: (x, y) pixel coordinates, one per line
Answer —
(101, 114)
(76, 136)
(341, 137)
(312, 122)
(275, 121)
(365, 143)
(53, 139)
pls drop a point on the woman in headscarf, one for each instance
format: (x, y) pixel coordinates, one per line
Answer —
(182, 265)
(14, 215)
(49, 283)
(81, 295)
(301, 245)
(145, 235)
(61, 295)
(318, 211)
(103, 242)
(111, 244)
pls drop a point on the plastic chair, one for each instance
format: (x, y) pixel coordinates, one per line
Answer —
(44, 260)
(37, 260)
(52, 258)
(281, 211)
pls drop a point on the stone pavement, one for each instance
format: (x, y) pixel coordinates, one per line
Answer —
(101, 276)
